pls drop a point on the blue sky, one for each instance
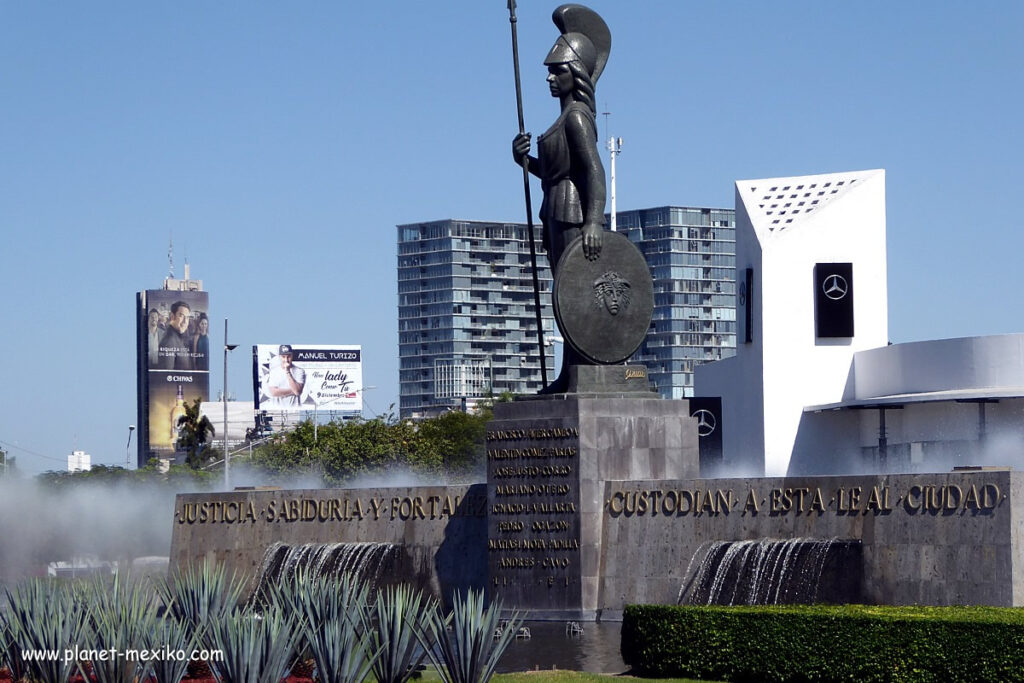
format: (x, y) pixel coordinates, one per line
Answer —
(280, 143)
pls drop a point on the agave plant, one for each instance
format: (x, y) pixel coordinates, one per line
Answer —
(175, 635)
(5, 641)
(45, 617)
(335, 620)
(10, 653)
(257, 648)
(119, 617)
(341, 652)
(469, 652)
(201, 593)
(398, 613)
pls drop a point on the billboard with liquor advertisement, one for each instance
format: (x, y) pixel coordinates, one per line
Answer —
(174, 364)
(293, 377)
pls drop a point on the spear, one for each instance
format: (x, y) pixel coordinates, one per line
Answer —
(526, 190)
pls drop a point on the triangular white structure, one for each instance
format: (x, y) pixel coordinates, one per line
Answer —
(787, 229)
(777, 204)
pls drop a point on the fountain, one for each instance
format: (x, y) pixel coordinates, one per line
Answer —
(773, 571)
(597, 491)
(370, 562)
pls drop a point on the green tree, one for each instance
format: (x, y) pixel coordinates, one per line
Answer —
(195, 431)
(461, 438)
(452, 445)
(342, 451)
(178, 477)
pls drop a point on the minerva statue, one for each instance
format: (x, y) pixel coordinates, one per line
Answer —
(594, 290)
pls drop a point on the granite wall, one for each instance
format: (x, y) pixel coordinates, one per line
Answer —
(443, 530)
(930, 539)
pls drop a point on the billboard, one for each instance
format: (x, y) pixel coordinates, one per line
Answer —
(168, 394)
(308, 377)
(177, 330)
(174, 363)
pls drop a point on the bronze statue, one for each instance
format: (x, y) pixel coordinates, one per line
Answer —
(567, 161)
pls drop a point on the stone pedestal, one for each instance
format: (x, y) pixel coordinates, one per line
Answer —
(547, 461)
(609, 379)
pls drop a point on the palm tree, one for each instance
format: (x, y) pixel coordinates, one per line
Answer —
(195, 431)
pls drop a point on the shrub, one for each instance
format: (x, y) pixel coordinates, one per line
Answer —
(826, 643)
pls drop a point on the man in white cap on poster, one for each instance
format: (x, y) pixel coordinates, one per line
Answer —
(285, 381)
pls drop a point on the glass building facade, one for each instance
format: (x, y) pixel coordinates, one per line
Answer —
(466, 322)
(692, 256)
(466, 325)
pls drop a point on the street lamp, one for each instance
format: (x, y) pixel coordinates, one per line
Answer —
(224, 399)
(127, 451)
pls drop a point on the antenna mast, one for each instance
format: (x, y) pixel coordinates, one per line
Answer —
(170, 258)
(615, 148)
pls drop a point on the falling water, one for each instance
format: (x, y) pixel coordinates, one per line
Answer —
(368, 562)
(768, 571)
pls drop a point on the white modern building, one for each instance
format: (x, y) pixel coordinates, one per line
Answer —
(815, 387)
(811, 292)
(921, 406)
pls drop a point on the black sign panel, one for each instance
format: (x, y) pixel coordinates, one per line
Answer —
(708, 412)
(746, 301)
(833, 299)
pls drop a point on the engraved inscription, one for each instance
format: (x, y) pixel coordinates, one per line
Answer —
(879, 499)
(326, 510)
(533, 541)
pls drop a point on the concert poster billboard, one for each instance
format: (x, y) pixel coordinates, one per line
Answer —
(296, 377)
(174, 363)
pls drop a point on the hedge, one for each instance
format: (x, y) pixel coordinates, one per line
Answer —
(825, 643)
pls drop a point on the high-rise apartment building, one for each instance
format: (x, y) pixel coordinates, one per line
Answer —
(465, 305)
(466, 319)
(692, 256)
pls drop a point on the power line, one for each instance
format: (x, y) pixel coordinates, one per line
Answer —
(25, 450)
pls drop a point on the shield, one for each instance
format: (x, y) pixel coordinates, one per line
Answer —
(603, 307)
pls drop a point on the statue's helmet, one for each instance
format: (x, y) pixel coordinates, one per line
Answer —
(572, 47)
(585, 38)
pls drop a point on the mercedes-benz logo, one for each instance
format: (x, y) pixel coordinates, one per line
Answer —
(706, 422)
(835, 287)
(742, 296)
